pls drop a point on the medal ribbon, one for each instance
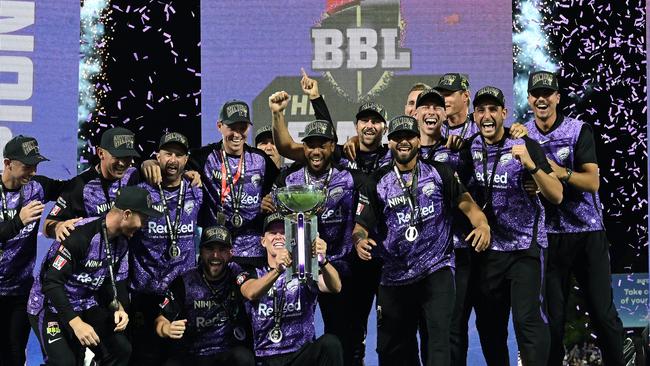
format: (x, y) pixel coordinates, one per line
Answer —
(410, 192)
(172, 227)
(228, 182)
(109, 259)
(488, 187)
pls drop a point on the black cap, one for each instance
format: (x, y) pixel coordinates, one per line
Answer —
(263, 132)
(372, 108)
(216, 234)
(235, 111)
(453, 82)
(430, 94)
(23, 149)
(489, 92)
(403, 123)
(174, 138)
(274, 217)
(136, 199)
(120, 142)
(319, 128)
(542, 80)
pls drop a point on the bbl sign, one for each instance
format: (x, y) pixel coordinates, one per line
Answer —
(357, 47)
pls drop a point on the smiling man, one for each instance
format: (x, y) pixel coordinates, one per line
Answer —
(511, 270)
(164, 248)
(77, 300)
(91, 193)
(411, 203)
(235, 178)
(202, 312)
(577, 243)
(346, 314)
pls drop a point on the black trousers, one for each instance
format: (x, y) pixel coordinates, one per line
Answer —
(585, 255)
(400, 309)
(345, 314)
(61, 346)
(14, 336)
(465, 276)
(148, 348)
(324, 351)
(512, 279)
(238, 356)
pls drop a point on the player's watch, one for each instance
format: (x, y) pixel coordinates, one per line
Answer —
(323, 263)
(569, 172)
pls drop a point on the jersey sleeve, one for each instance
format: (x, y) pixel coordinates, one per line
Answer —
(70, 203)
(585, 149)
(171, 306)
(367, 208)
(452, 188)
(537, 154)
(52, 188)
(320, 109)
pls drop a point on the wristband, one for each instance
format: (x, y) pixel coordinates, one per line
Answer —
(324, 263)
(534, 170)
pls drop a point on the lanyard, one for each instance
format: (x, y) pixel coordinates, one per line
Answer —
(379, 153)
(278, 303)
(488, 187)
(410, 192)
(222, 300)
(228, 181)
(172, 227)
(462, 132)
(6, 215)
(326, 183)
(114, 305)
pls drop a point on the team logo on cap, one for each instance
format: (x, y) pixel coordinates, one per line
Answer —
(490, 90)
(402, 123)
(176, 137)
(316, 127)
(447, 80)
(357, 46)
(239, 109)
(543, 79)
(29, 146)
(125, 141)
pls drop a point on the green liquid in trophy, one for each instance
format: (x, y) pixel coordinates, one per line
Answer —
(301, 201)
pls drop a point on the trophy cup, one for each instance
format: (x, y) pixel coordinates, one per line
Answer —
(300, 204)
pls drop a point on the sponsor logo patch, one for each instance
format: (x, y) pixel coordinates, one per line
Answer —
(53, 329)
(59, 262)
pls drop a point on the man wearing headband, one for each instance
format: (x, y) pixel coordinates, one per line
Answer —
(77, 299)
(411, 204)
(282, 309)
(577, 243)
(164, 247)
(511, 270)
(22, 198)
(202, 313)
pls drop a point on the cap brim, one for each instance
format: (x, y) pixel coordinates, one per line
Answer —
(213, 242)
(32, 160)
(187, 149)
(366, 112)
(482, 98)
(237, 120)
(542, 87)
(150, 212)
(438, 98)
(329, 137)
(123, 153)
(403, 131)
(447, 88)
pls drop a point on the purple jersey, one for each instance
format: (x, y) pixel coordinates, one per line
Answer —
(298, 308)
(336, 219)
(259, 175)
(367, 162)
(17, 241)
(74, 273)
(90, 195)
(570, 144)
(436, 197)
(151, 267)
(465, 130)
(214, 311)
(516, 219)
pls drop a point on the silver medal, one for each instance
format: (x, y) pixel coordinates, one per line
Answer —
(239, 333)
(411, 233)
(275, 335)
(174, 251)
(236, 220)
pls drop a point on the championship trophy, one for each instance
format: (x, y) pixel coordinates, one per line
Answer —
(299, 205)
